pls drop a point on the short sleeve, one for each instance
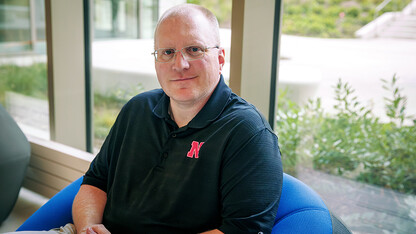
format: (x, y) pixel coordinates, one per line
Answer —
(251, 185)
(100, 169)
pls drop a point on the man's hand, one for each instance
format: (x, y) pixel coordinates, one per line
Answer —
(216, 231)
(95, 229)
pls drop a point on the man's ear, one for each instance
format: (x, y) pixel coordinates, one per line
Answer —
(221, 58)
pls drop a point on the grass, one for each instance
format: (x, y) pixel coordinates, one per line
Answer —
(331, 18)
(315, 18)
(27, 80)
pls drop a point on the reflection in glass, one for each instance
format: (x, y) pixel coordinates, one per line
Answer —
(23, 83)
(121, 57)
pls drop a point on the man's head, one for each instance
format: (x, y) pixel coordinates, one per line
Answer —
(186, 9)
(188, 35)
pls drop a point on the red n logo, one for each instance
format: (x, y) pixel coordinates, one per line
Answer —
(196, 146)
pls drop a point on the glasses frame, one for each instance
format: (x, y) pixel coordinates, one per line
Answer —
(204, 49)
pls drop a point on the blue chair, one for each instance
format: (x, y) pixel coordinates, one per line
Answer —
(301, 210)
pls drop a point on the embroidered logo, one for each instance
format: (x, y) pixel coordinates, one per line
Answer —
(194, 151)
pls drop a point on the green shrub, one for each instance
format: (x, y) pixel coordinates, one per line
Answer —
(107, 107)
(221, 9)
(353, 12)
(288, 119)
(395, 162)
(103, 121)
(317, 9)
(333, 11)
(341, 139)
(351, 141)
(292, 10)
(314, 29)
(28, 80)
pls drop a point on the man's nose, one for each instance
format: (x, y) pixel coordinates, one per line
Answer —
(180, 61)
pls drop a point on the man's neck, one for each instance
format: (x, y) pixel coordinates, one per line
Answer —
(183, 113)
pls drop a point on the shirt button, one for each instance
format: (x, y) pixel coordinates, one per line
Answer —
(165, 155)
(174, 135)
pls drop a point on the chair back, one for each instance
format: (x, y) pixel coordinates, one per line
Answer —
(14, 159)
(301, 210)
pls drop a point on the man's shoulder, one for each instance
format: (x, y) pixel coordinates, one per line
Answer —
(244, 112)
(142, 103)
(151, 98)
(151, 95)
(243, 108)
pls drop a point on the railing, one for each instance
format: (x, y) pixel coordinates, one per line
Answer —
(380, 7)
(376, 13)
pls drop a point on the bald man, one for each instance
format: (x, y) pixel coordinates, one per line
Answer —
(191, 157)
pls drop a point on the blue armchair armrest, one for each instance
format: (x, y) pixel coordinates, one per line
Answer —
(301, 210)
(56, 212)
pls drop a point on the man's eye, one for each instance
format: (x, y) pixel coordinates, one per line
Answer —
(167, 52)
(194, 49)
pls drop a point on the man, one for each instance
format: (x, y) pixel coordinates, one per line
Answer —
(190, 158)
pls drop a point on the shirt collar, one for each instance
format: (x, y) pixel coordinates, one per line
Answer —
(212, 109)
(161, 108)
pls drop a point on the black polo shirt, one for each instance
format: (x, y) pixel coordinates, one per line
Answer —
(222, 170)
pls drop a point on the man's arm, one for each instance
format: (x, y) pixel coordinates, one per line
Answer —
(251, 185)
(88, 208)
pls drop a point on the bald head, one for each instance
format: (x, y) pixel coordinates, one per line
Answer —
(186, 11)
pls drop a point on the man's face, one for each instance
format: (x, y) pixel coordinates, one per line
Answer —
(188, 82)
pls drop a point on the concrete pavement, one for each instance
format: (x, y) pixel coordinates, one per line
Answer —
(360, 62)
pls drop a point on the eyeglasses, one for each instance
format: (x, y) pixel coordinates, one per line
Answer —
(190, 53)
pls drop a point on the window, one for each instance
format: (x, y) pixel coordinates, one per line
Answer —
(353, 143)
(23, 83)
(122, 65)
(125, 19)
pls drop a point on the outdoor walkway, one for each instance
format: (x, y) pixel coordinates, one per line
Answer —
(360, 62)
(363, 208)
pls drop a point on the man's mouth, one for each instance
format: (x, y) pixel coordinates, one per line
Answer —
(184, 78)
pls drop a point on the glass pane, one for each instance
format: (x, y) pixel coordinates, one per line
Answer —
(121, 56)
(347, 105)
(23, 82)
(148, 16)
(14, 26)
(115, 19)
(40, 20)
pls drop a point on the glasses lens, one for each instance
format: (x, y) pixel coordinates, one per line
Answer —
(164, 55)
(193, 52)
(190, 53)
